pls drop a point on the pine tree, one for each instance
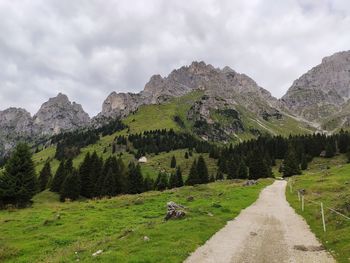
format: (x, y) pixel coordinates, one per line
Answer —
(59, 178)
(179, 179)
(193, 177)
(148, 184)
(87, 188)
(173, 162)
(71, 186)
(18, 184)
(135, 179)
(172, 181)
(202, 170)
(212, 178)
(162, 181)
(290, 163)
(45, 176)
(232, 170)
(242, 171)
(303, 164)
(219, 175)
(109, 186)
(258, 167)
(330, 150)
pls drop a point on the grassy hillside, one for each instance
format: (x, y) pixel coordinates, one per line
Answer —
(51, 231)
(332, 187)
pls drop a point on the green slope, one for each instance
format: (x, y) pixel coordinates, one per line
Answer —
(64, 232)
(327, 181)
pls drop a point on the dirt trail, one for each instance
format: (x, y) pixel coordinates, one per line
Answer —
(267, 231)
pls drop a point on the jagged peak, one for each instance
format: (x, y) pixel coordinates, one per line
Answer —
(337, 56)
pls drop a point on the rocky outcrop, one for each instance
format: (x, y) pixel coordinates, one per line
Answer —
(59, 114)
(322, 91)
(56, 115)
(230, 86)
(15, 123)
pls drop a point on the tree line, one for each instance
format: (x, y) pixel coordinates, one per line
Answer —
(96, 177)
(68, 144)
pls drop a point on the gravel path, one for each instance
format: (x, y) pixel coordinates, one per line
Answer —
(267, 231)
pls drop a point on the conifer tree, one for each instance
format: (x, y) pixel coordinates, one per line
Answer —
(242, 171)
(330, 150)
(232, 170)
(109, 186)
(202, 170)
(18, 184)
(212, 178)
(303, 164)
(45, 176)
(219, 175)
(186, 155)
(179, 179)
(162, 181)
(290, 163)
(87, 188)
(71, 186)
(148, 184)
(135, 179)
(173, 162)
(193, 177)
(258, 167)
(59, 178)
(172, 181)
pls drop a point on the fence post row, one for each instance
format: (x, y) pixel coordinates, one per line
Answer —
(302, 199)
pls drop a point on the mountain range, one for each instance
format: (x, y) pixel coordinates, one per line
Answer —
(228, 105)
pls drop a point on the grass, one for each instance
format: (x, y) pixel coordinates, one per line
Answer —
(161, 162)
(161, 116)
(51, 231)
(327, 181)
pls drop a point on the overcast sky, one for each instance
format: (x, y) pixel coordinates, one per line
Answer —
(87, 49)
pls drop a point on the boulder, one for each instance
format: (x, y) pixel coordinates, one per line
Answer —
(174, 211)
(250, 182)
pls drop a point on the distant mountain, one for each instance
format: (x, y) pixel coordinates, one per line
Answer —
(232, 103)
(322, 94)
(56, 115)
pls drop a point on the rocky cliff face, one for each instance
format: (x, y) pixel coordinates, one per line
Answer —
(232, 87)
(322, 91)
(59, 114)
(56, 115)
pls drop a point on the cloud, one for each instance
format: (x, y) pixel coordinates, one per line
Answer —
(88, 49)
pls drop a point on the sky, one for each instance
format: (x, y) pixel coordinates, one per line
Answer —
(87, 49)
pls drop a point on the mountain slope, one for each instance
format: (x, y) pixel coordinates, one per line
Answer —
(323, 92)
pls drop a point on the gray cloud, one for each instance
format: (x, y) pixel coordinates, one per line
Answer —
(88, 49)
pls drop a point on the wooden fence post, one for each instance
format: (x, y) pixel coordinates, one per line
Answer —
(323, 221)
(302, 203)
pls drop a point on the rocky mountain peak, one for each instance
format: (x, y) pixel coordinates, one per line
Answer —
(59, 114)
(323, 90)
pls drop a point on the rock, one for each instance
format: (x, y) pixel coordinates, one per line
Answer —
(56, 115)
(323, 92)
(216, 205)
(190, 198)
(98, 252)
(59, 114)
(146, 238)
(224, 89)
(143, 159)
(250, 182)
(210, 214)
(174, 211)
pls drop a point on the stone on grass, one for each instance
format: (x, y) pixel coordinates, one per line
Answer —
(174, 211)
